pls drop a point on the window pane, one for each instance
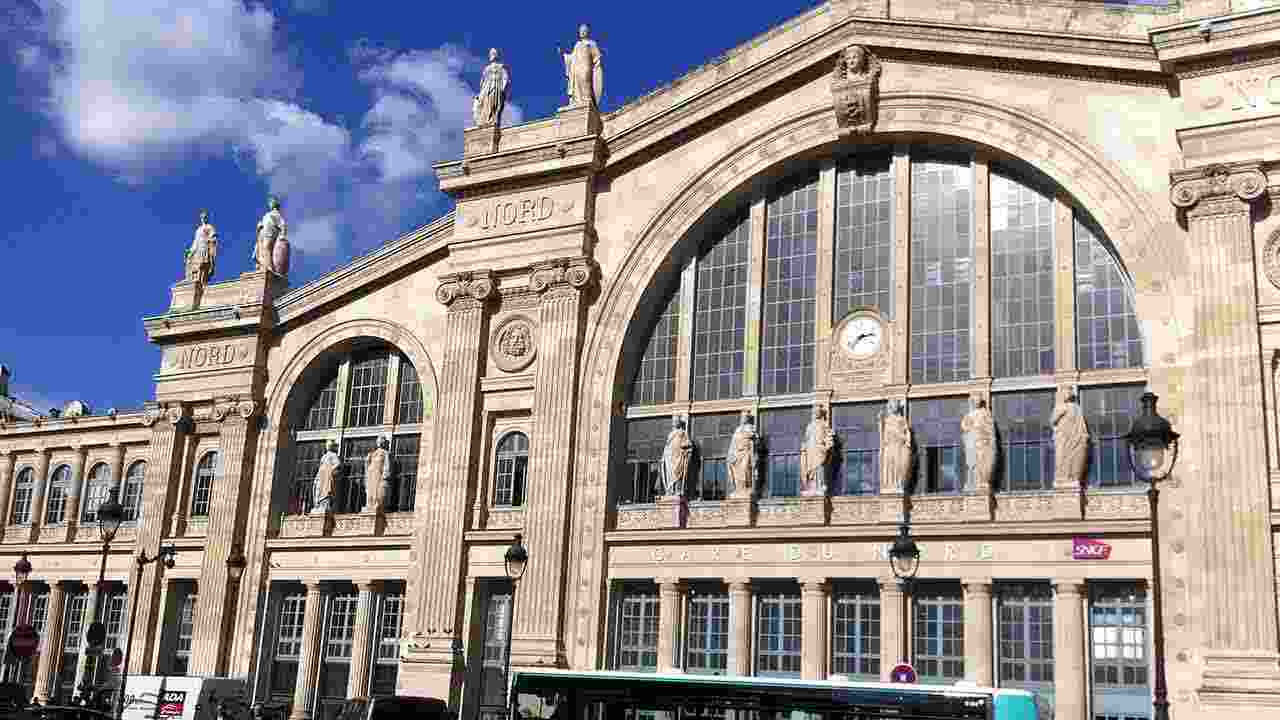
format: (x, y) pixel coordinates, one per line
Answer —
(720, 314)
(939, 634)
(386, 661)
(511, 467)
(1118, 647)
(132, 500)
(1023, 421)
(637, 630)
(642, 479)
(711, 435)
(857, 429)
(940, 462)
(202, 488)
(1025, 620)
(1108, 413)
(306, 464)
(350, 493)
(655, 379)
(864, 235)
(941, 269)
(320, 412)
(56, 503)
(97, 490)
(404, 473)
(782, 436)
(367, 400)
(410, 394)
(778, 634)
(855, 647)
(707, 641)
(1107, 330)
(1022, 274)
(790, 277)
(22, 492)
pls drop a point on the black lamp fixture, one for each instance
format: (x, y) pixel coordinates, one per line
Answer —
(22, 570)
(236, 563)
(517, 558)
(904, 556)
(110, 516)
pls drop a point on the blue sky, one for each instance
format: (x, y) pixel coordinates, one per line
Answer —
(122, 120)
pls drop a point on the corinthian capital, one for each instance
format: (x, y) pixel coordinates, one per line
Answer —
(571, 272)
(477, 285)
(1204, 190)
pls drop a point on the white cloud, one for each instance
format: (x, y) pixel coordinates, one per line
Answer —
(139, 87)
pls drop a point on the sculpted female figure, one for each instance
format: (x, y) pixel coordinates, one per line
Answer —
(583, 70)
(1070, 440)
(203, 251)
(271, 228)
(979, 430)
(377, 474)
(741, 458)
(675, 458)
(818, 441)
(487, 107)
(326, 480)
(895, 449)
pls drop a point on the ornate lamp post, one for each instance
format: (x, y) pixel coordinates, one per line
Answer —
(517, 558)
(1153, 450)
(904, 559)
(22, 628)
(110, 515)
(167, 552)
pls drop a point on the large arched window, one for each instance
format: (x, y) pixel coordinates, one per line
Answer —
(132, 493)
(202, 487)
(357, 397)
(510, 470)
(983, 276)
(56, 496)
(96, 492)
(23, 489)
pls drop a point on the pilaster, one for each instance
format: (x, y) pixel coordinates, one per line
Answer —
(982, 265)
(74, 492)
(892, 626)
(361, 648)
(978, 629)
(755, 296)
(536, 638)
(823, 321)
(6, 488)
(814, 594)
(433, 594)
(117, 471)
(304, 689)
(740, 612)
(37, 499)
(1236, 561)
(46, 678)
(236, 438)
(901, 262)
(169, 430)
(91, 615)
(669, 625)
(1069, 650)
(1064, 284)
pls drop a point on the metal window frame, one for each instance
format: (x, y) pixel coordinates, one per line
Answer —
(789, 606)
(866, 630)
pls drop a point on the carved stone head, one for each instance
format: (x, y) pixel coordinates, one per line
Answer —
(493, 54)
(583, 30)
(204, 217)
(273, 202)
(855, 59)
(383, 443)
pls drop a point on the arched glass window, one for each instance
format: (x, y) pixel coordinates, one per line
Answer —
(974, 292)
(510, 470)
(373, 392)
(96, 493)
(22, 492)
(56, 496)
(132, 493)
(202, 488)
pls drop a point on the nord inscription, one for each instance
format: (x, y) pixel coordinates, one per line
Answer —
(209, 356)
(517, 212)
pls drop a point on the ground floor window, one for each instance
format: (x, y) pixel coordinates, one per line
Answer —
(287, 647)
(707, 640)
(938, 633)
(637, 638)
(73, 626)
(855, 631)
(1118, 652)
(1025, 632)
(335, 667)
(778, 633)
(185, 630)
(386, 656)
(495, 645)
(114, 606)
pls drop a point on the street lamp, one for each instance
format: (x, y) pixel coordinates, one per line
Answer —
(904, 559)
(110, 515)
(1153, 450)
(516, 560)
(167, 552)
(236, 563)
(22, 627)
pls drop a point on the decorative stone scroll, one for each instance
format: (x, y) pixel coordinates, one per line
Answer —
(231, 407)
(573, 272)
(855, 86)
(477, 286)
(1218, 189)
(514, 344)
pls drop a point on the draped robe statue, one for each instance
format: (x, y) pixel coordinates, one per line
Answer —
(584, 71)
(377, 475)
(326, 480)
(979, 430)
(675, 459)
(1070, 441)
(814, 456)
(487, 107)
(271, 230)
(741, 458)
(203, 251)
(895, 450)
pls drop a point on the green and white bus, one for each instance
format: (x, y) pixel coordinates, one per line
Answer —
(572, 695)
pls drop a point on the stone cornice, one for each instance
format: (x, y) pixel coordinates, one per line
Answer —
(1217, 189)
(1204, 37)
(881, 532)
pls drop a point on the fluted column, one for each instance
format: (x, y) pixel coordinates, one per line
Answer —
(6, 488)
(1069, 666)
(169, 430)
(37, 499)
(433, 596)
(669, 590)
(740, 614)
(90, 614)
(813, 634)
(117, 471)
(75, 491)
(891, 626)
(978, 632)
(235, 446)
(51, 650)
(304, 689)
(361, 650)
(1237, 567)
(537, 636)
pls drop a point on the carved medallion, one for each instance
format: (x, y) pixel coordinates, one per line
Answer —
(1271, 258)
(514, 344)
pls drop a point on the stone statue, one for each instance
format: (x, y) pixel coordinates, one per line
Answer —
(675, 458)
(203, 251)
(1070, 440)
(271, 230)
(377, 475)
(816, 453)
(895, 449)
(584, 71)
(979, 429)
(487, 107)
(741, 458)
(854, 89)
(326, 480)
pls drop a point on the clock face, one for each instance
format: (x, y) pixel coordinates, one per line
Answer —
(863, 336)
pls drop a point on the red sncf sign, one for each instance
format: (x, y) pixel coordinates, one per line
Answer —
(1086, 548)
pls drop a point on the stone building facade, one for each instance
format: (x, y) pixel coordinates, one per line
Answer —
(1005, 201)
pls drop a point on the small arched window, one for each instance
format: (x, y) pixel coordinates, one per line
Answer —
(132, 492)
(56, 504)
(96, 493)
(22, 491)
(511, 469)
(202, 488)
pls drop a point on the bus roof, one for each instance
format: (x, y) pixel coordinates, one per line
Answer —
(567, 676)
